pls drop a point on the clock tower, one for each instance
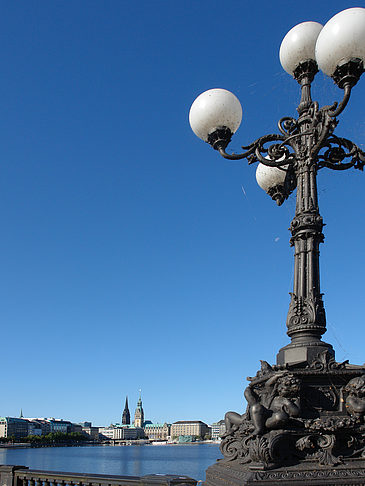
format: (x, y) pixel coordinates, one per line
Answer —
(139, 414)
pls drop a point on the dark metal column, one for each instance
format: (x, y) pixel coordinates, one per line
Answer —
(306, 320)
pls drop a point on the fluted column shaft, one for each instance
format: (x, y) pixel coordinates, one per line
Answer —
(306, 320)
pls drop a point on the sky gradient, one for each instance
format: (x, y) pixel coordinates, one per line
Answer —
(131, 255)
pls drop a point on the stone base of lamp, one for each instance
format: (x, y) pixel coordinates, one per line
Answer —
(304, 425)
(295, 353)
(304, 474)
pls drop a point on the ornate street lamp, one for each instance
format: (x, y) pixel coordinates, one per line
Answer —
(305, 421)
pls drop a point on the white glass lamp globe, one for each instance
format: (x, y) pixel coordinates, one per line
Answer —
(341, 39)
(215, 108)
(269, 177)
(299, 45)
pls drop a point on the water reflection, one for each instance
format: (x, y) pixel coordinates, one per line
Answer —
(190, 459)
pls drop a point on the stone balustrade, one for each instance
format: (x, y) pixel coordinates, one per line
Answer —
(22, 476)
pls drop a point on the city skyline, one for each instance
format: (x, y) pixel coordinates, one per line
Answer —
(116, 422)
(131, 255)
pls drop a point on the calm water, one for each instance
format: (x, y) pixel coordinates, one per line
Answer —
(186, 459)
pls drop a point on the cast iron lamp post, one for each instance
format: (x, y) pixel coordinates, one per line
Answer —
(307, 411)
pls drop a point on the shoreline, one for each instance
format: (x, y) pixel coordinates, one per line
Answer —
(27, 445)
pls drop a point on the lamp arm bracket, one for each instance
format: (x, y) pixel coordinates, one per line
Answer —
(250, 150)
(278, 154)
(324, 120)
(337, 150)
(337, 108)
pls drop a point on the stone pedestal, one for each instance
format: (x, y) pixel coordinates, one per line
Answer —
(304, 425)
(304, 474)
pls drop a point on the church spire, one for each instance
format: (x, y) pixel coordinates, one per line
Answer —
(21, 413)
(126, 417)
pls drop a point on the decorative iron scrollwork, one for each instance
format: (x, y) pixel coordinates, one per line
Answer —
(326, 362)
(339, 149)
(288, 126)
(320, 447)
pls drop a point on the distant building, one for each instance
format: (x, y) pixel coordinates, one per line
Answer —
(217, 429)
(157, 431)
(126, 416)
(38, 426)
(44, 426)
(39, 423)
(195, 428)
(21, 427)
(106, 432)
(75, 428)
(85, 424)
(34, 427)
(139, 414)
(13, 427)
(91, 432)
(121, 432)
(59, 425)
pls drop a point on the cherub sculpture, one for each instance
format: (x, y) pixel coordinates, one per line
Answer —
(269, 407)
(355, 400)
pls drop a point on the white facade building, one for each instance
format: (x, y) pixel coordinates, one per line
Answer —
(217, 429)
(121, 432)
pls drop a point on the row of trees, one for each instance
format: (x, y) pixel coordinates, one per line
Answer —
(52, 438)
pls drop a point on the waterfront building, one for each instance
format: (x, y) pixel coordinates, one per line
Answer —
(126, 416)
(157, 431)
(195, 428)
(217, 429)
(38, 423)
(121, 432)
(34, 427)
(44, 426)
(38, 426)
(139, 414)
(13, 427)
(85, 424)
(76, 428)
(130, 433)
(92, 432)
(21, 427)
(59, 425)
(106, 432)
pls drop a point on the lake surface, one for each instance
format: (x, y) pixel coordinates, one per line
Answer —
(185, 459)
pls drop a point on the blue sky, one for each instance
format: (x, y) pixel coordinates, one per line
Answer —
(131, 255)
